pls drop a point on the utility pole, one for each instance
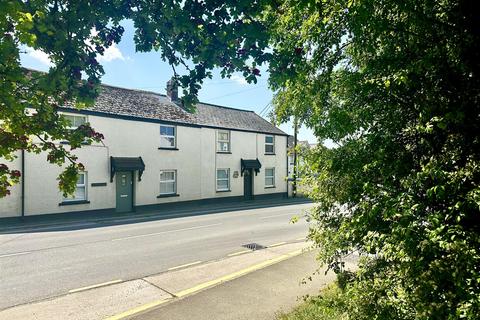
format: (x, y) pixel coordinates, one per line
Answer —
(294, 184)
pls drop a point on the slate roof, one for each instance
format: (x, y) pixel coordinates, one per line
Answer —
(150, 105)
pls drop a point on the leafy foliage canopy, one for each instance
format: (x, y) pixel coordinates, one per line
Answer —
(396, 85)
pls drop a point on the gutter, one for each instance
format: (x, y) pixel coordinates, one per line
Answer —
(168, 122)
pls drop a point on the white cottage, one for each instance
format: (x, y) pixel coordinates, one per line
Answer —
(155, 152)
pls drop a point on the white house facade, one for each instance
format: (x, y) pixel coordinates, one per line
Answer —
(155, 152)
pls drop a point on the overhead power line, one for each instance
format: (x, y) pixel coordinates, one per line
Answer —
(234, 93)
(268, 109)
(264, 109)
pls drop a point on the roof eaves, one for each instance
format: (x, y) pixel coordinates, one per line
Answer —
(146, 119)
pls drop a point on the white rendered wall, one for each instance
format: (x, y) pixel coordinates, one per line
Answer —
(195, 162)
(10, 206)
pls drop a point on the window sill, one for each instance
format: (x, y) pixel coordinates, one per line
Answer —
(270, 187)
(73, 202)
(270, 154)
(224, 152)
(168, 195)
(220, 191)
(68, 143)
(165, 148)
(98, 184)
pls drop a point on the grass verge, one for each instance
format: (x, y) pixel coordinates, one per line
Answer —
(329, 305)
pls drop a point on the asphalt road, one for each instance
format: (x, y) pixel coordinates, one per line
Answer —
(49, 262)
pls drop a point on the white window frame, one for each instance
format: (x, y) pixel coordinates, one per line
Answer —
(227, 141)
(270, 144)
(168, 181)
(223, 179)
(270, 177)
(169, 136)
(72, 126)
(81, 185)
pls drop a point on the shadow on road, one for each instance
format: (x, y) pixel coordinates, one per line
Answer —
(103, 218)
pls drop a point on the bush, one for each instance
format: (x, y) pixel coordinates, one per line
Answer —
(330, 305)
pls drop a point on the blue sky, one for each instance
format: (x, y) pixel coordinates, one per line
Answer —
(126, 68)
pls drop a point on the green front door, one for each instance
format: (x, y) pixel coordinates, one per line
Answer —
(124, 191)
(248, 184)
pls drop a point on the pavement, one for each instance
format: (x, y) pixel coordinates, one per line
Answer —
(45, 263)
(76, 220)
(258, 295)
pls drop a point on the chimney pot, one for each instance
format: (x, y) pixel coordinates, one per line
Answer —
(172, 90)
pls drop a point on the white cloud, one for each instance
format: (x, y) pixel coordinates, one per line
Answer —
(239, 79)
(110, 54)
(40, 56)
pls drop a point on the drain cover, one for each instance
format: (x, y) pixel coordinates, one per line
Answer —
(253, 246)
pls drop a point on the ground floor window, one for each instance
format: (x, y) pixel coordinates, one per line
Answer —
(270, 177)
(80, 189)
(168, 182)
(223, 179)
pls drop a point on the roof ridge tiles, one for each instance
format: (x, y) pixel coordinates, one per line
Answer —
(164, 95)
(143, 104)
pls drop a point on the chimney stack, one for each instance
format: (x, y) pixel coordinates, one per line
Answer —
(172, 90)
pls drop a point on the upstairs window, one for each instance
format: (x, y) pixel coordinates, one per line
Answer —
(223, 141)
(269, 144)
(80, 190)
(167, 137)
(75, 121)
(168, 182)
(223, 179)
(269, 177)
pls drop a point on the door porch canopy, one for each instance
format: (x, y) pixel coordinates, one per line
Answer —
(250, 164)
(118, 164)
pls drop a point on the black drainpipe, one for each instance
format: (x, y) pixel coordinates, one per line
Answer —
(23, 183)
(287, 166)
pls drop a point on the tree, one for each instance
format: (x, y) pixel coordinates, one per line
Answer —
(396, 85)
(194, 34)
(64, 31)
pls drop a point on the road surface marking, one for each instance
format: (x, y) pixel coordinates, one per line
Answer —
(207, 284)
(278, 215)
(95, 286)
(300, 239)
(185, 265)
(139, 309)
(168, 231)
(277, 244)
(14, 254)
(238, 253)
